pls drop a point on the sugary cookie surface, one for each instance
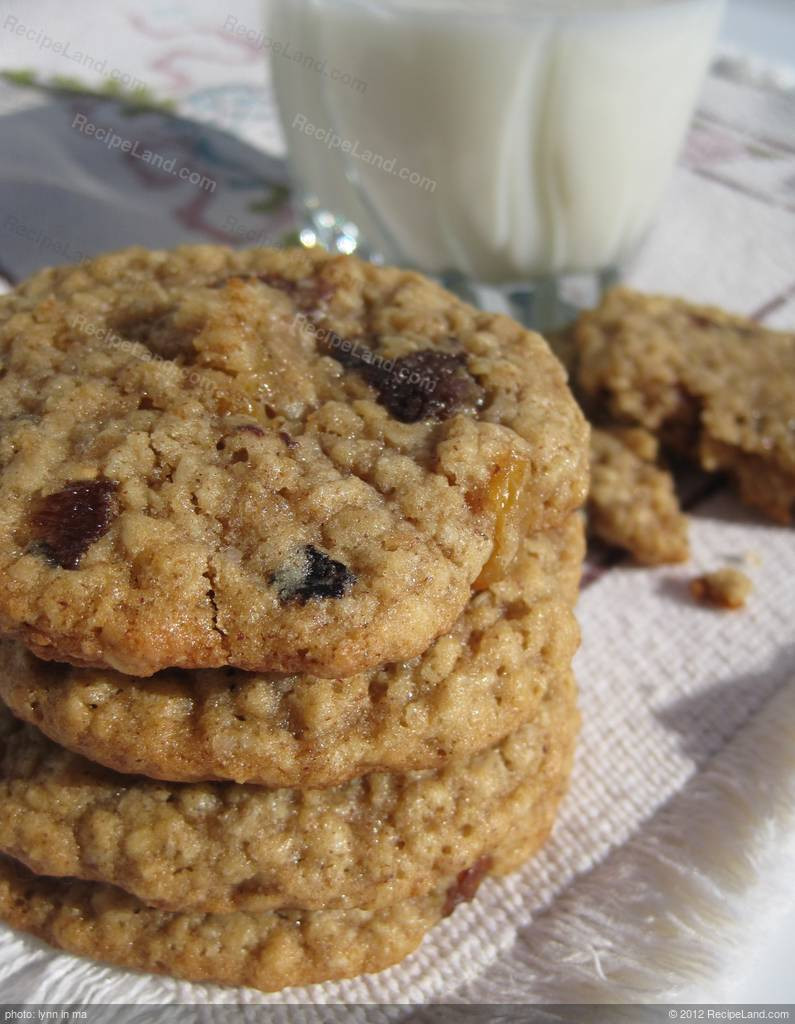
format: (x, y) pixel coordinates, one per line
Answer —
(223, 847)
(277, 460)
(269, 950)
(468, 690)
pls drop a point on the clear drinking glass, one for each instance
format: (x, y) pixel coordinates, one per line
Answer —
(507, 143)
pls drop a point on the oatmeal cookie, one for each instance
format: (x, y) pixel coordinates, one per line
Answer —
(717, 388)
(270, 950)
(471, 688)
(222, 847)
(632, 503)
(281, 461)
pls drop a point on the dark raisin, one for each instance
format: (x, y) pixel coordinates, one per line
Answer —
(699, 320)
(317, 575)
(352, 354)
(467, 884)
(424, 385)
(222, 282)
(241, 428)
(277, 281)
(156, 332)
(288, 439)
(250, 428)
(284, 284)
(377, 689)
(69, 521)
(307, 293)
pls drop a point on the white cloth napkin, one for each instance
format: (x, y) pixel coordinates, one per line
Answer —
(676, 842)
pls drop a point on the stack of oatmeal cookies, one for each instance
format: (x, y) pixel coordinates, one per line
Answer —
(289, 549)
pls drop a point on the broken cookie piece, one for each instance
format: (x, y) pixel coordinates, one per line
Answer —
(716, 388)
(632, 503)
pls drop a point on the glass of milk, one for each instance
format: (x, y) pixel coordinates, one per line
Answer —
(511, 143)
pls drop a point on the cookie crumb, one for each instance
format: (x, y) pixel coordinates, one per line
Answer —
(725, 588)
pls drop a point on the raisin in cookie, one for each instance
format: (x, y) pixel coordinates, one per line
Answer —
(276, 460)
(717, 388)
(222, 847)
(468, 690)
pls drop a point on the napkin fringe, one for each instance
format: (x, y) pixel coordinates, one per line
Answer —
(670, 908)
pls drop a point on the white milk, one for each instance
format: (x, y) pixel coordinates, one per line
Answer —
(544, 141)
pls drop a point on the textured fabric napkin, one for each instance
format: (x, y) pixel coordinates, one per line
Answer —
(677, 839)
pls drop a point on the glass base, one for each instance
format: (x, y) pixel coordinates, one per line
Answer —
(552, 303)
(337, 234)
(547, 303)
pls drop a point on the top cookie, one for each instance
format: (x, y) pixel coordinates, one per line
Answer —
(277, 460)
